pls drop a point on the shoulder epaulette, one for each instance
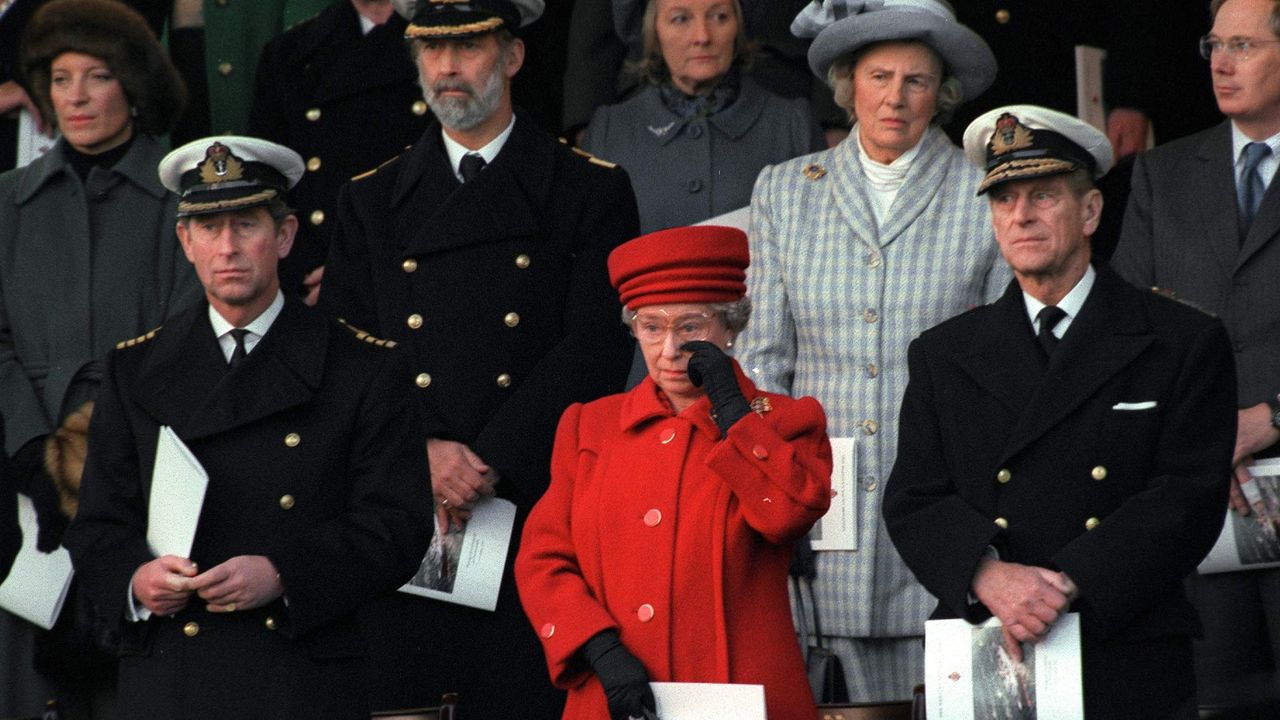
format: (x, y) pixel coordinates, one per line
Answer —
(592, 158)
(1171, 295)
(138, 340)
(368, 173)
(362, 335)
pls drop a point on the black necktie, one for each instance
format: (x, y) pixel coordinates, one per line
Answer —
(470, 166)
(1049, 317)
(237, 355)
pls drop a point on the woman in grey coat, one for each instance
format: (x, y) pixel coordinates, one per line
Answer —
(854, 252)
(696, 135)
(88, 258)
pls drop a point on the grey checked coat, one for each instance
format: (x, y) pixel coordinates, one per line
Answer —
(837, 300)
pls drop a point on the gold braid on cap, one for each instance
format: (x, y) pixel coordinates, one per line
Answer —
(475, 28)
(254, 199)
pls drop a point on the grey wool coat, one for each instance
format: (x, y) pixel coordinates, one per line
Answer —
(685, 170)
(83, 266)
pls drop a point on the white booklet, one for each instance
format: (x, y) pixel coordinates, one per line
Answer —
(1251, 542)
(968, 673)
(465, 566)
(37, 585)
(838, 529)
(178, 483)
(708, 701)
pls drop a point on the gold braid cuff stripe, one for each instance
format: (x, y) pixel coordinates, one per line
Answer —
(427, 31)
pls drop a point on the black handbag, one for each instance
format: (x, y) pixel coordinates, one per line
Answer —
(826, 673)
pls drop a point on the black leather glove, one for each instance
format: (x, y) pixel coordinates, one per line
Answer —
(710, 368)
(625, 681)
(31, 480)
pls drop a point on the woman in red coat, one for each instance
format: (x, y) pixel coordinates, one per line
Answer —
(660, 551)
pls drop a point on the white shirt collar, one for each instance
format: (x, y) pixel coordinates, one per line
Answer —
(366, 25)
(1267, 168)
(257, 327)
(456, 149)
(1070, 304)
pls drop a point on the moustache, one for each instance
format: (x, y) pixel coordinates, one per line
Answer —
(452, 86)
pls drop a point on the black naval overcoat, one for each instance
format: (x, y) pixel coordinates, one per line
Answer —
(498, 290)
(346, 102)
(306, 448)
(1110, 464)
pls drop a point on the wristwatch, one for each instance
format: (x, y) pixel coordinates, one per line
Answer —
(1274, 404)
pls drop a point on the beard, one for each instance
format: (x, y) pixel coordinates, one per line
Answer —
(464, 113)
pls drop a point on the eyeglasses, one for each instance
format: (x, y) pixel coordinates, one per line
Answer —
(651, 328)
(1239, 49)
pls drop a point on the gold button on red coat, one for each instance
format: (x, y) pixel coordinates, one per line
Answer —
(667, 436)
(653, 517)
(547, 631)
(645, 612)
(760, 452)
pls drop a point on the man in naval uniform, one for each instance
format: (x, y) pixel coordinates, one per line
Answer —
(314, 499)
(1066, 448)
(482, 251)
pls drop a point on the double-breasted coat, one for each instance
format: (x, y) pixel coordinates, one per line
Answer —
(310, 464)
(685, 170)
(344, 100)
(498, 292)
(677, 539)
(1110, 464)
(837, 298)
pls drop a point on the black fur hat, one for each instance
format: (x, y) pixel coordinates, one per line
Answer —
(116, 34)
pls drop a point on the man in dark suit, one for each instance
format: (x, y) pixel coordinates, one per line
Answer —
(314, 500)
(482, 251)
(341, 91)
(1204, 222)
(1067, 447)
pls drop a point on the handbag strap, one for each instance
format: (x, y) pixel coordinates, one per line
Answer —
(793, 585)
(813, 612)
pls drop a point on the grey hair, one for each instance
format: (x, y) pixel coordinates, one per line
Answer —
(1216, 5)
(840, 80)
(735, 314)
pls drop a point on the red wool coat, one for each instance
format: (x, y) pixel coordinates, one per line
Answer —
(679, 540)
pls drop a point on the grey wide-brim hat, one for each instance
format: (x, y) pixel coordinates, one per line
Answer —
(839, 27)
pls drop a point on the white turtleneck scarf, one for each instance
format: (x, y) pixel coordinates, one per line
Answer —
(884, 181)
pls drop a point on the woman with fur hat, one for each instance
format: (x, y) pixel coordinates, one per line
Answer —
(90, 257)
(660, 550)
(855, 251)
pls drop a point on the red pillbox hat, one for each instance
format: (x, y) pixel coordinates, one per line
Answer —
(697, 264)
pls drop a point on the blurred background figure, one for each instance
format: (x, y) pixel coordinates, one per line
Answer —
(90, 259)
(854, 252)
(671, 565)
(604, 37)
(698, 132)
(341, 90)
(215, 45)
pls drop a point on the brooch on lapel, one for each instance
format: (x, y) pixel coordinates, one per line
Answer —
(660, 131)
(761, 405)
(814, 171)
